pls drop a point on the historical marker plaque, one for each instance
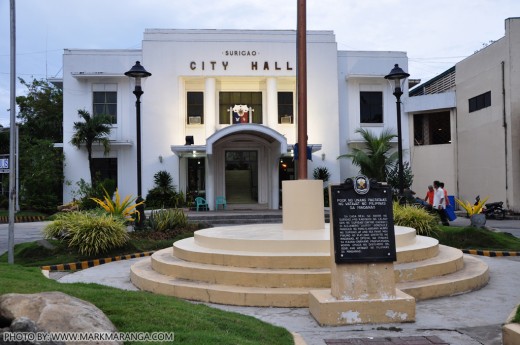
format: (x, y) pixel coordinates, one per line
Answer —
(362, 222)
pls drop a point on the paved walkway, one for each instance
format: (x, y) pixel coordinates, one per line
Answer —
(470, 319)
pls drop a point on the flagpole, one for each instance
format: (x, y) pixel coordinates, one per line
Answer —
(301, 79)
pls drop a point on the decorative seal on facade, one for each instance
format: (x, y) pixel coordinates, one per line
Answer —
(361, 184)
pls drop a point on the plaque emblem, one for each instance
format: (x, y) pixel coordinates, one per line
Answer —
(361, 184)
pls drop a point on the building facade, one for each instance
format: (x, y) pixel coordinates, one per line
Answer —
(478, 103)
(219, 111)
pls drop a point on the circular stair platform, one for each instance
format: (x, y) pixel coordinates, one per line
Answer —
(265, 265)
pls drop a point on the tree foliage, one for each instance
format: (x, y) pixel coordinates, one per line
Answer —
(41, 111)
(375, 158)
(93, 129)
(40, 163)
(41, 175)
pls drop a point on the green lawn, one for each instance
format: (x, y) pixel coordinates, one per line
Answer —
(137, 311)
(475, 238)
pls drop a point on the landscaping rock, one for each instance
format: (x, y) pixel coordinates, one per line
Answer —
(56, 312)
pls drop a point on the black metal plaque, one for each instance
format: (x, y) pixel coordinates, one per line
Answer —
(362, 221)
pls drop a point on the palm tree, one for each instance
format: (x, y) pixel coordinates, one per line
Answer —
(92, 129)
(375, 158)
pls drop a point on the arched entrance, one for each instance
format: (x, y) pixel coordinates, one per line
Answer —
(243, 165)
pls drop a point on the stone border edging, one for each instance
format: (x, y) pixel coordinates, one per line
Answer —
(490, 253)
(74, 266)
(23, 219)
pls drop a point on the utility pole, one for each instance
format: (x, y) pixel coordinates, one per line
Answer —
(12, 141)
(301, 79)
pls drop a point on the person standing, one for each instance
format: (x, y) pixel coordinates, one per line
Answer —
(446, 199)
(429, 195)
(439, 202)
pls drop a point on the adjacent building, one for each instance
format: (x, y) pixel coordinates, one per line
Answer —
(465, 124)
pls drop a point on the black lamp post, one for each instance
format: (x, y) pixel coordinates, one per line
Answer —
(137, 72)
(397, 77)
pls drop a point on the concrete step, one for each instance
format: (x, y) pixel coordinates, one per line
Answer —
(144, 277)
(239, 217)
(472, 276)
(448, 261)
(164, 263)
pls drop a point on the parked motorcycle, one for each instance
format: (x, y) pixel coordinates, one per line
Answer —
(493, 209)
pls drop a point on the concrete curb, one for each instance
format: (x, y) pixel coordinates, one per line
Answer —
(490, 253)
(74, 266)
(23, 219)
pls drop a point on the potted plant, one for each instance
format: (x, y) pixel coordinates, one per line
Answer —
(477, 218)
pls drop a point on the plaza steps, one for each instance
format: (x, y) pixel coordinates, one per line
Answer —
(233, 216)
(205, 269)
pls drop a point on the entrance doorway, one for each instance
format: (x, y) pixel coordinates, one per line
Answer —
(241, 177)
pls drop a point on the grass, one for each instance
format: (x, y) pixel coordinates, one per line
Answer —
(33, 254)
(476, 238)
(137, 311)
(517, 315)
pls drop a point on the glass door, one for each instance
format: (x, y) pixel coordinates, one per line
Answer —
(242, 177)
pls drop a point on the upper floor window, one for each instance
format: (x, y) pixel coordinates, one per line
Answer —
(432, 128)
(240, 107)
(195, 108)
(285, 107)
(371, 106)
(104, 100)
(480, 102)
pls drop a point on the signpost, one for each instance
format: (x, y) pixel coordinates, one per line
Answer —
(363, 250)
(4, 164)
(362, 216)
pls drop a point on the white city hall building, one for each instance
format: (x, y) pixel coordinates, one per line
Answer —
(219, 110)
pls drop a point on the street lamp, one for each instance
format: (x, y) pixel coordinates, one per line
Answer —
(137, 72)
(397, 77)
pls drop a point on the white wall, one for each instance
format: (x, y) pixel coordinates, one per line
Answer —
(365, 71)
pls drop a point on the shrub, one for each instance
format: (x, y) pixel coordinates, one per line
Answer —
(321, 173)
(86, 192)
(170, 219)
(90, 233)
(421, 220)
(125, 209)
(163, 194)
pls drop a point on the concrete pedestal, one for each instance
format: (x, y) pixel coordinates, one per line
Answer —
(330, 311)
(361, 293)
(303, 205)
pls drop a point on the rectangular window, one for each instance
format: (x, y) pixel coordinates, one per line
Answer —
(195, 108)
(104, 100)
(480, 102)
(250, 113)
(432, 128)
(285, 108)
(371, 106)
(105, 169)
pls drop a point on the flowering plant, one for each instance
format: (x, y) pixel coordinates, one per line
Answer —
(472, 209)
(125, 208)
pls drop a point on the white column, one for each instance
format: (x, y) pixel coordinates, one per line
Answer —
(272, 103)
(210, 182)
(210, 106)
